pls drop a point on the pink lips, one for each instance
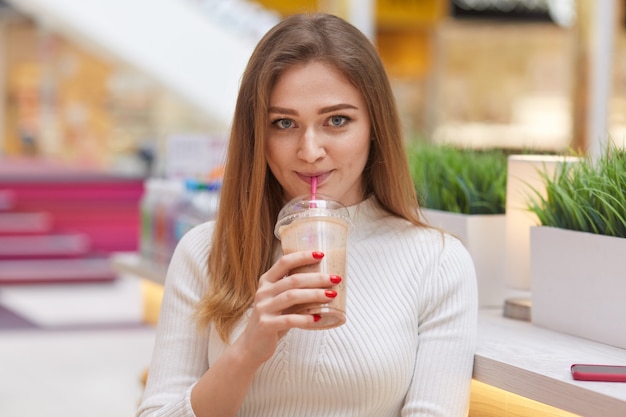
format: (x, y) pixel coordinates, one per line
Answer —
(321, 177)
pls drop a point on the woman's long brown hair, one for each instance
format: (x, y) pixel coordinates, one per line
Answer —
(251, 197)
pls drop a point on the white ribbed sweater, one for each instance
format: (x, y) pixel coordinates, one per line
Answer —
(406, 349)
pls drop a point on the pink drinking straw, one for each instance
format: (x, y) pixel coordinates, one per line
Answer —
(313, 190)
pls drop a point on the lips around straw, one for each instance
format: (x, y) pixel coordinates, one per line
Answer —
(313, 191)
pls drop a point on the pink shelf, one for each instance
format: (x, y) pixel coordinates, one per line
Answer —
(41, 271)
(104, 206)
(15, 223)
(7, 200)
(44, 246)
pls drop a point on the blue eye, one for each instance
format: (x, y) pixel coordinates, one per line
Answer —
(283, 123)
(338, 121)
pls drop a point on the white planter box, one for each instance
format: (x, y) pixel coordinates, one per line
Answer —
(578, 284)
(484, 236)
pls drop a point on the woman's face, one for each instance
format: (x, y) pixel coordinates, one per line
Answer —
(318, 126)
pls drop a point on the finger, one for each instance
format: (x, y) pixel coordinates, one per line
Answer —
(301, 321)
(295, 289)
(287, 299)
(306, 280)
(282, 323)
(289, 262)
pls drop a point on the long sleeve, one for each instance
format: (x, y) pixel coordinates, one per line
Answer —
(418, 287)
(447, 337)
(179, 358)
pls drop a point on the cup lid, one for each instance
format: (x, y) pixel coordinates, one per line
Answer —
(309, 206)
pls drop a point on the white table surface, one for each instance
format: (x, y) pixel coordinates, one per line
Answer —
(534, 362)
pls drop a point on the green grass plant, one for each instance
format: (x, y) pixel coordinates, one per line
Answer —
(459, 180)
(586, 196)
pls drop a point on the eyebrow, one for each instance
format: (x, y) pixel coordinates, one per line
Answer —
(323, 110)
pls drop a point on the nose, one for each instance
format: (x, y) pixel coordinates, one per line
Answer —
(311, 147)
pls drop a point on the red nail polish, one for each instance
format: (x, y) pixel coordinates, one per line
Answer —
(318, 255)
(335, 279)
(330, 293)
(317, 317)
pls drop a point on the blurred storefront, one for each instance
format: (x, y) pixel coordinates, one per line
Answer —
(77, 103)
(492, 73)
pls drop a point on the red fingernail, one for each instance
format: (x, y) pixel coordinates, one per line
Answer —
(318, 255)
(330, 293)
(317, 317)
(335, 279)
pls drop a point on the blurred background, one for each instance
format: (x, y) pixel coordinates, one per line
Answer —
(105, 84)
(114, 117)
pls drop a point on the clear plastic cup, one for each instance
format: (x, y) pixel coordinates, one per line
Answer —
(317, 223)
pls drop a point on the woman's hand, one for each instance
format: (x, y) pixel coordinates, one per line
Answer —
(278, 291)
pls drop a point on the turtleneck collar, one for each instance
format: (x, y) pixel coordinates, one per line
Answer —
(363, 215)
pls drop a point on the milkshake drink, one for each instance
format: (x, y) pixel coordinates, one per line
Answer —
(318, 224)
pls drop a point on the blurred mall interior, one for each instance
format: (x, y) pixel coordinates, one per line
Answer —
(108, 106)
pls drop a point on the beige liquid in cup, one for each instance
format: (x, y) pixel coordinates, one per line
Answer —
(328, 235)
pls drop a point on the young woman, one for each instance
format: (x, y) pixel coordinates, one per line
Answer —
(315, 101)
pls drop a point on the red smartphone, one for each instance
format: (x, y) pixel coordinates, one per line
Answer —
(608, 373)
